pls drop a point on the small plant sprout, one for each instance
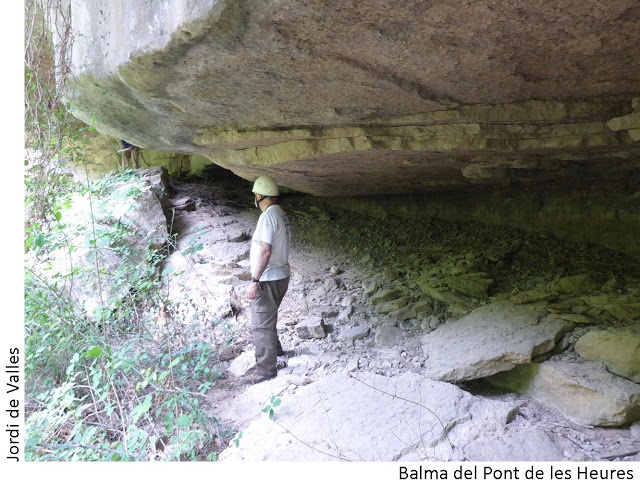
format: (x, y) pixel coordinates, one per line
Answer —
(269, 408)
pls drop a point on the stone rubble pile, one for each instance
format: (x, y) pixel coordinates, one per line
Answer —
(578, 326)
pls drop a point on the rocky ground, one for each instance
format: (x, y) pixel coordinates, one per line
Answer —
(330, 324)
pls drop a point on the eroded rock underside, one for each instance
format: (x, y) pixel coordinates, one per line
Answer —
(535, 103)
(351, 98)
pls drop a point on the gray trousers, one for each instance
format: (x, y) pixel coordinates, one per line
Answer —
(264, 317)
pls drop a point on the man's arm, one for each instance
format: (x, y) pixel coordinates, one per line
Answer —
(264, 254)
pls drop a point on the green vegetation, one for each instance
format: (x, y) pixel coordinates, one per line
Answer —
(269, 409)
(109, 376)
(116, 380)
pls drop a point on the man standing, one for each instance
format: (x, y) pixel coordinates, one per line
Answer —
(129, 152)
(269, 277)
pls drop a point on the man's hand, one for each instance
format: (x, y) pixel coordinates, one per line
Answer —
(264, 254)
(252, 290)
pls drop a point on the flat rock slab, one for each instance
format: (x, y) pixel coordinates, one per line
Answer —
(491, 339)
(515, 445)
(367, 417)
(354, 333)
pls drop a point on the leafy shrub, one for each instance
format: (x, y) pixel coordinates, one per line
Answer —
(110, 384)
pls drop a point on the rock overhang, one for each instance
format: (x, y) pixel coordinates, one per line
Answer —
(362, 98)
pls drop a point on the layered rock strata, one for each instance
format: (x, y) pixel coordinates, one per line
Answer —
(362, 99)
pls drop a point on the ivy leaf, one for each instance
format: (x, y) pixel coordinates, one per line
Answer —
(140, 409)
(184, 420)
(236, 441)
(38, 242)
(167, 420)
(94, 352)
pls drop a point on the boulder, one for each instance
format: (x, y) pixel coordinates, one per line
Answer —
(311, 327)
(392, 305)
(244, 363)
(352, 334)
(617, 348)
(388, 336)
(385, 295)
(325, 311)
(490, 339)
(535, 295)
(575, 284)
(472, 284)
(346, 314)
(583, 392)
(405, 313)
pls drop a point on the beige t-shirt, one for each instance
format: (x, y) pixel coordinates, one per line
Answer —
(273, 228)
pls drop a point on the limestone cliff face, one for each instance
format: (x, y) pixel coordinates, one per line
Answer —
(344, 98)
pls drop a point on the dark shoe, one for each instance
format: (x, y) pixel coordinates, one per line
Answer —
(253, 379)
